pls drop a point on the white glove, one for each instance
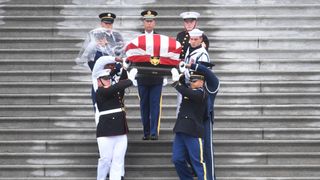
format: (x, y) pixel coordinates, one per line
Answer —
(125, 64)
(165, 81)
(132, 76)
(175, 74)
(182, 66)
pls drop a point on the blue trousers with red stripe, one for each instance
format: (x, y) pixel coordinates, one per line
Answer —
(184, 147)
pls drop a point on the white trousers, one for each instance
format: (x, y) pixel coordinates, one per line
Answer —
(112, 152)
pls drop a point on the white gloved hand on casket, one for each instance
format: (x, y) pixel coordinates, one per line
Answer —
(175, 74)
(126, 64)
(132, 76)
(182, 66)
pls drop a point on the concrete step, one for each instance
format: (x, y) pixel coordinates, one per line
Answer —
(263, 42)
(32, 64)
(165, 134)
(225, 31)
(88, 178)
(167, 98)
(307, 158)
(267, 121)
(221, 64)
(162, 9)
(39, 43)
(82, 171)
(269, 178)
(270, 86)
(225, 87)
(266, 64)
(263, 53)
(187, 2)
(166, 122)
(46, 86)
(166, 178)
(160, 146)
(274, 75)
(167, 110)
(159, 170)
(215, 53)
(224, 75)
(216, 42)
(135, 21)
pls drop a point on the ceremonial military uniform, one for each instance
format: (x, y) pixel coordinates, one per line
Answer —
(183, 37)
(113, 39)
(112, 119)
(150, 88)
(189, 132)
(211, 88)
(92, 50)
(198, 55)
(194, 55)
(112, 127)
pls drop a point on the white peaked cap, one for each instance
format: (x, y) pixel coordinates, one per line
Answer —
(106, 60)
(102, 73)
(190, 15)
(195, 32)
(100, 63)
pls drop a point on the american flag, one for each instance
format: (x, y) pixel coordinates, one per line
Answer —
(148, 46)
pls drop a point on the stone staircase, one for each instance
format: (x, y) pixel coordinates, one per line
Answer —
(267, 55)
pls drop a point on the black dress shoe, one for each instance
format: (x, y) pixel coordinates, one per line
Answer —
(146, 138)
(153, 137)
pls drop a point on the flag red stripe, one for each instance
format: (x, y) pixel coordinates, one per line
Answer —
(131, 46)
(156, 45)
(146, 58)
(142, 42)
(168, 61)
(139, 58)
(172, 45)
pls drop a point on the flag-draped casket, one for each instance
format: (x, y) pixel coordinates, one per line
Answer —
(153, 54)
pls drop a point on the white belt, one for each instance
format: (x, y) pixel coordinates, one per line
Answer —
(110, 111)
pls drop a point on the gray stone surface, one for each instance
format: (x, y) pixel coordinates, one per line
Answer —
(267, 110)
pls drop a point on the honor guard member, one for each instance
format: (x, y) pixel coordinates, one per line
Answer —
(99, 42)
(195, 53)
(189, 128)
(211, 88)
(113, 38)
(149, 21)
(112, 127)
(190, 23)
(150, 88)
(107, 63)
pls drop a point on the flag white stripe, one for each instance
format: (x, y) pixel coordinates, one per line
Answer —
(135, 52)
(164, 45)
(149, 44)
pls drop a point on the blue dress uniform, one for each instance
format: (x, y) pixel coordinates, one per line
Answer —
(150, 88)
(189, 132)
(212, 85)
(91, 51)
